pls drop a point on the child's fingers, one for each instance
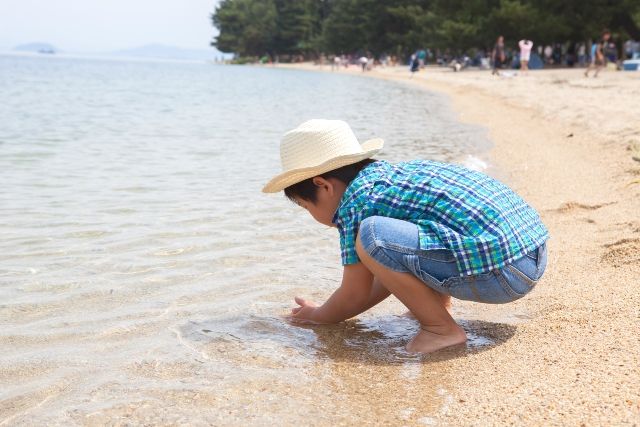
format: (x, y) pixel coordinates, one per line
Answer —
(301, 301)
(299, 321)
(295, 310)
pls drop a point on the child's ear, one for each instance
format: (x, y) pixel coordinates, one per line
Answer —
(319, 181)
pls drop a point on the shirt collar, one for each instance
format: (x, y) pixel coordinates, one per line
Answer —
(348, 192)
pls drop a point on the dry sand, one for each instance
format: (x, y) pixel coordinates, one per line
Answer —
(566, 143)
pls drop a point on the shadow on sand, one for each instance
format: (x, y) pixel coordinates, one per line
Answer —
(378, 340)
(382, 340)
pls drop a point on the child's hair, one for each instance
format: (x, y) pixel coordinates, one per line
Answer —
(306, 190)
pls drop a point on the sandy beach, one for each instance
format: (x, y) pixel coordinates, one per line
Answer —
(567, 144)
(136, 292)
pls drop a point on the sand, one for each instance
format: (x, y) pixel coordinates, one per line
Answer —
(567, 354)
(566, 143)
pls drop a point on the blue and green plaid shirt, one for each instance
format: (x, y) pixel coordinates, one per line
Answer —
(482, 221)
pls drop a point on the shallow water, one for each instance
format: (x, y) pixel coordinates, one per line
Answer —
(143, 275)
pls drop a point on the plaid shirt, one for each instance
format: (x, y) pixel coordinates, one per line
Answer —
(483, 222)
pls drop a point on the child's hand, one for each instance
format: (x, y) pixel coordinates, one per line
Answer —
(304, 313)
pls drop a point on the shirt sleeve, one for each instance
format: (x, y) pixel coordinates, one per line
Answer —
(348, 228)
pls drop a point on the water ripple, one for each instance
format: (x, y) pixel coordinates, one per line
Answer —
(133, 223)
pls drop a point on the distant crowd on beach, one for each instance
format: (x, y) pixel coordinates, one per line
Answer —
(569, 54)
(365, 60)
(523, 54)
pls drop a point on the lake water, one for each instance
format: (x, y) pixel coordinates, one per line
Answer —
(143, 274)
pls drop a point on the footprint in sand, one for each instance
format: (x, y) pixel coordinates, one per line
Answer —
(577, 206)
(622, 253)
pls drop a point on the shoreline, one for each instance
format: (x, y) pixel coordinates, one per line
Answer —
(561, 142)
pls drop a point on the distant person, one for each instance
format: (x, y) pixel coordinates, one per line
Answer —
(610, 51)
(571, 54)
(363, 63)
(422, 231)
(557, 54)
(384, 60)
(370, 63)
(582, 54)
(548, 51)
(422, 57)
(414, 64)
(628, 49)
(335, 64)
(525, 53)
(497, 56)
(598, 59)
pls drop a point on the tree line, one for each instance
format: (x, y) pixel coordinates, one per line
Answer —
(311, 27)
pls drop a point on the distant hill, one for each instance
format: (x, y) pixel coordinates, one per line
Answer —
(171, 52)
(36, 47)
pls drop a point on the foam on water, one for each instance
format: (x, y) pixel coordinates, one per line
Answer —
(475, 163)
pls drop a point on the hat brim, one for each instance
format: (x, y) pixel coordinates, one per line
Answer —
(285, 179)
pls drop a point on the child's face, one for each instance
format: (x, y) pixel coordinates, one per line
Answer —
(328, 195)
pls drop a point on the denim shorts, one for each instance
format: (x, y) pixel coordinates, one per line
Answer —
(395, 244)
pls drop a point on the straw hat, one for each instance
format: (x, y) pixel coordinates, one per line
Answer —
(318, 146)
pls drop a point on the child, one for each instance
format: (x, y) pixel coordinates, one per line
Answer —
(422, 231)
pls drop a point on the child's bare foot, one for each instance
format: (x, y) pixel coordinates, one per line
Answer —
(428, 341)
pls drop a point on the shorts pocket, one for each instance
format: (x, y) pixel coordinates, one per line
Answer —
(433, 272)
(515, 283)
(520, 275)
(438, 255)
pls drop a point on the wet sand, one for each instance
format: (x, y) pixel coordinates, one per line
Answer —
(566, 143)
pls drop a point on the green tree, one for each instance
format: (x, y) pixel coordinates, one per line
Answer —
(410, 27)
(254, 27)
(247, 27)
(298, 26)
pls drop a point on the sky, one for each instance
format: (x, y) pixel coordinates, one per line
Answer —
(106, 25)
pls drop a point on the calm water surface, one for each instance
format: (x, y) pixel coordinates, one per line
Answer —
(142, 272)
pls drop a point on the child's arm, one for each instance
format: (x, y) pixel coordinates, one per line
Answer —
(357, 293)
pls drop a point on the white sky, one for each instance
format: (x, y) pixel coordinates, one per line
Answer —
(103, 25)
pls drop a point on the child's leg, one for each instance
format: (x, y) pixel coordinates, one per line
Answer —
(598, 68)
(444, 299)
(438, 329)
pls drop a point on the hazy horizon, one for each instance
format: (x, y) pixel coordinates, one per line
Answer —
(107, 25)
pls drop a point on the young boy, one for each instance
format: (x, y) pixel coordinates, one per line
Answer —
(422, 231)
